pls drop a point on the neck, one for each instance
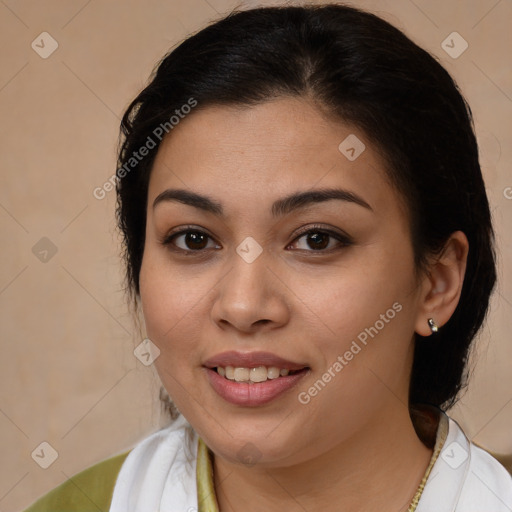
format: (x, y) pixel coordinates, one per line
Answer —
(377, 469)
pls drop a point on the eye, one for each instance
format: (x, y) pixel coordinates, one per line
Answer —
(191, 240)
(320, 239)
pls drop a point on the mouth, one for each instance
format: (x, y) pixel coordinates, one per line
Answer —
(252, 379)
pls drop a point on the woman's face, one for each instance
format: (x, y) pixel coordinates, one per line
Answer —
(247, 287)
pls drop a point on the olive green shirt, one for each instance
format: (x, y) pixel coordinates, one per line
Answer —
(89, 490)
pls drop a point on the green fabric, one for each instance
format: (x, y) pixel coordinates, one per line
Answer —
(91, 490)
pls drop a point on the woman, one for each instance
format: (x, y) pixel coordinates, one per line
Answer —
(307, 231)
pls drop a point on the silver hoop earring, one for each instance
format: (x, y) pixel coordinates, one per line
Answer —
(433, 326)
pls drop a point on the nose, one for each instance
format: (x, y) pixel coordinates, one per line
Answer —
(251, 296)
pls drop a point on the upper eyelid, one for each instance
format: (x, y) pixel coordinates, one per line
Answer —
(302, 231)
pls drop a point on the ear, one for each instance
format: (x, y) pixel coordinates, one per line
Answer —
(442, 284)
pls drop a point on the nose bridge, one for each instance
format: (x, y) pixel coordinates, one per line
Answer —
(247, 281)
(250, 293)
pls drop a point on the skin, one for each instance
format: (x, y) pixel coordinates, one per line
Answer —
(356, 431)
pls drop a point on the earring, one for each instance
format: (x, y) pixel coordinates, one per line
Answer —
(433, 326)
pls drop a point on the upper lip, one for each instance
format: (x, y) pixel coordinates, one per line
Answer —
(251, 360)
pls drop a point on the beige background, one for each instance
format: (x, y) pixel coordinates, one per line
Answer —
(69, 376)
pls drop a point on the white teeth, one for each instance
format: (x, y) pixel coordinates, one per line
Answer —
(241, 374)
(258, 374)
(273, 372)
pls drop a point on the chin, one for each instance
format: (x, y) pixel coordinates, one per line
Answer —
(250, 446)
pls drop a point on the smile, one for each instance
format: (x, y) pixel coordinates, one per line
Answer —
(253, 375)
(252, 379)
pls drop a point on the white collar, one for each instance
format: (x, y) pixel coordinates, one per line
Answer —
(465, 478)
(159, 474)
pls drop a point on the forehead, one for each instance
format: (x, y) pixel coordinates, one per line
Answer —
(247, 154)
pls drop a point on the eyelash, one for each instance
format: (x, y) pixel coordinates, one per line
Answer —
(344, 240)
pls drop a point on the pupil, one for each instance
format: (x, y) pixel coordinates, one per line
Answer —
(315, 237)
(194, 238)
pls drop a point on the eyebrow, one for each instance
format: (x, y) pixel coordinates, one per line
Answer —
(279, 208)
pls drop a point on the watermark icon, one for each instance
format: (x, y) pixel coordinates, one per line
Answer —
(44, 45)
(454, 455)
(351, 147)
(146, 352)
(305, 397)
(45, 455)
(137, 156)
(44, 250)
(454, 45)
(507, 192)
(249, 249)
(249, 454)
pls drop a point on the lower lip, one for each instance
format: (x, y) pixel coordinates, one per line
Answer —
(252, 395)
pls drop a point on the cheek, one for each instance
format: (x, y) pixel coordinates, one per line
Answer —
(171, 296)
(351, 300)
(366, 315)
(168, 307)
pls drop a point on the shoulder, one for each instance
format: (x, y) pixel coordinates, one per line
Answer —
(91, 489)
